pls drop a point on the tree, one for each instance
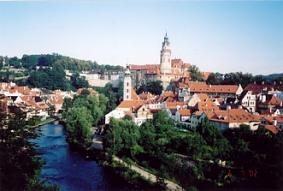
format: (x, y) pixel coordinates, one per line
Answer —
(195, 73)
(154, 87)
(215, 78)
(20, 163)
(78, 125)
(122, 138)
(79, 82)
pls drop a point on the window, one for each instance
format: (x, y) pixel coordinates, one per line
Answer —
(127, 83)
(127, 90)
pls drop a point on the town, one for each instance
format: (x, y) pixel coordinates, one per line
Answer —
(225, 106)
(141, 95)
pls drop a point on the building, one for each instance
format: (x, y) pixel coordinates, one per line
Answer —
(187, 88)
(132, 105)
(248, 100)
(168, 69)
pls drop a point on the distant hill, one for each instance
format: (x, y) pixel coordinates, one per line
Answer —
(272, 77)
(48, 60)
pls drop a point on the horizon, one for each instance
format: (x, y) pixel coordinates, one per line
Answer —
(243, 36)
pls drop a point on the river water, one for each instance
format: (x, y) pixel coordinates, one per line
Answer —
(69, 169)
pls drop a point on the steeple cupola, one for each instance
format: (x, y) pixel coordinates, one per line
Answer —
(127, 92)
(165, 56)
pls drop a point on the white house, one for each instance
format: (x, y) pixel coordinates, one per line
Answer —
(248, 100)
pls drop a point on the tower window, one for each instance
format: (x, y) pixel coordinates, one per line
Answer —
(127, 90)
(127, 83)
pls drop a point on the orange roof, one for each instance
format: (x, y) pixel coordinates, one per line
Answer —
(232, 115)
(173, 105)
(272, 128)
(201, 87)
(132, 104)
(206, 104)
(20, 89)
(134, 95)
(274, 101)
(185, 112)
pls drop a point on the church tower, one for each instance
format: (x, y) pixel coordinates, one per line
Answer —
(165, 57)
(127, 92)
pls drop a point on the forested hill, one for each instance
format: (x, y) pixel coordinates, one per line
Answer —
(68, 63)
(48, 71)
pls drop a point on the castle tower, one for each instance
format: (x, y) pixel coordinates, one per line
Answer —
(127, 92)
(165, 57)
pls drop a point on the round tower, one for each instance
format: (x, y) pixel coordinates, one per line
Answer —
(127, 92)
(165, 56)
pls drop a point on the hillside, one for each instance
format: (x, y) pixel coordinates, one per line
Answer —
(49, 60)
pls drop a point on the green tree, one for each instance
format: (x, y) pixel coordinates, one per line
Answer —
(78, 125)
(20, 163)
(79, 82)
(154, 87)
(122, 138)
(195, 73)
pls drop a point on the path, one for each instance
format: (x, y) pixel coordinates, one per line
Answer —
(169, 184)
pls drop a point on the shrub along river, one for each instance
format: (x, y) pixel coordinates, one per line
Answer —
(70, 169)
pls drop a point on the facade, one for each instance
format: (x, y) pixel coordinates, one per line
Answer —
(248, 100)
(186, 88)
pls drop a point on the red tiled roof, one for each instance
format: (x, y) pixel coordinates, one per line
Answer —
(132, 104)
(274, 101)
(257, 88)
(173, 105)
(201, 87)
(232, 115)
(272, 128)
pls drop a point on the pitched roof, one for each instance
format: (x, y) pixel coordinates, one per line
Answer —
(274, 101)
(272, 128)
(232, 116)
(134, 95)
(131, 104)
(201, 87)
(173, 105)
(258, 88)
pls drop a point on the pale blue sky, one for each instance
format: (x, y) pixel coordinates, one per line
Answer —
(216, 36)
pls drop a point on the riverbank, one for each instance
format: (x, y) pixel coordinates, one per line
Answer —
(73, 170)
(43, 122)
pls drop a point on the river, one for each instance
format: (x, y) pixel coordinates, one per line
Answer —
(69, 169)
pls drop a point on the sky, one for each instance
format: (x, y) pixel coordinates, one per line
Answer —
(215, 36)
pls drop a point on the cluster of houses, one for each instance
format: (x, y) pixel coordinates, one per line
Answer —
(225, 106)
(33, 101)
